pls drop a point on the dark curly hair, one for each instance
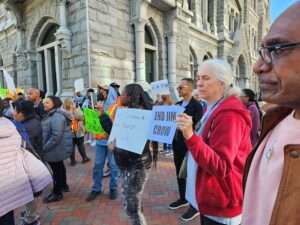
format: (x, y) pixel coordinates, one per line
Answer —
(137, 97)
(250, 94)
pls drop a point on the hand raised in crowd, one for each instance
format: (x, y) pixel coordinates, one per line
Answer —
(100, 107)
(185, 124)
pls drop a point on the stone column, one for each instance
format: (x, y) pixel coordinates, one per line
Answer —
(213, 26)
(198, 14)
(172, 59)
(20, 37)
(139, 29)
(171, 36)
(204, 14)
(63, 34)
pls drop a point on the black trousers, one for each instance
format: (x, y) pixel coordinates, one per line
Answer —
(79, 142)
(178, 159)
(7, 219)
(207, 221)
(59, 176)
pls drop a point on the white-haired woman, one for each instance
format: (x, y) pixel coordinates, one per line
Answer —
(218, 148)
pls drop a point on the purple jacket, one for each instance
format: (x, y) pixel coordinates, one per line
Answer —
(255, 122)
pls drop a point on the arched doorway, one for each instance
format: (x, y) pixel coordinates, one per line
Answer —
(150, 55)
(49, 60)
(241, 72)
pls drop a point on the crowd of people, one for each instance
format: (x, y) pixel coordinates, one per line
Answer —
(219, 176)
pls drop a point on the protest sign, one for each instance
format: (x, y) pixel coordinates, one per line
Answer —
(9, 81)
(3, 92)
(79, 85)
(92, 122)
(130, 129)
(163, 123)
(160, 87)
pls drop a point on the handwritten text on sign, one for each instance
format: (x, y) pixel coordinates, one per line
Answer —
(160, 87)
(130, 129)
(163, 123)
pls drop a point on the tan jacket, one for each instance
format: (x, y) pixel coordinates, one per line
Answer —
(286, 209)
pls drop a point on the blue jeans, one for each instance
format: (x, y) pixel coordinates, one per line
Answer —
(101, 153)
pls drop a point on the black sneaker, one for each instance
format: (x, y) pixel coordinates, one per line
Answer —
(85, 160)
(37, 222)
(93, 195)
(66, 189)
(113, 194)
(178, 204)
(53, 198)
(190, 214)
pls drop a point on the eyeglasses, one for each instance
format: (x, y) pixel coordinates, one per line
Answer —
(269, 53)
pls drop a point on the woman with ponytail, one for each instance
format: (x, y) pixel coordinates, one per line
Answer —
(134, 167)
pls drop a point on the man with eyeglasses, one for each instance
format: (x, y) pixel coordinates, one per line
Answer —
(193, 109)
(271, 176)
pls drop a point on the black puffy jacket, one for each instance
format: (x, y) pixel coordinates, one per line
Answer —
(127, 160)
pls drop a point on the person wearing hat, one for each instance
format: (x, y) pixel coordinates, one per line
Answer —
(102, 152)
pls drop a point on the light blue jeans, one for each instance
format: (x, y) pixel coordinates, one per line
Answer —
(101, 153)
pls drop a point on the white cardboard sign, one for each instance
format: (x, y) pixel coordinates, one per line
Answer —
(79, 85)
(9, 81)
(160, 87)
(130, 129)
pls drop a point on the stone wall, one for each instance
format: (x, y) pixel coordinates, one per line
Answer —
(111, 42)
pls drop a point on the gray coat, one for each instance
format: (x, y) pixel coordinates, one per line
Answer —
(57, 136)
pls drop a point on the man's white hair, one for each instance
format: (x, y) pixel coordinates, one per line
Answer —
(222, 71)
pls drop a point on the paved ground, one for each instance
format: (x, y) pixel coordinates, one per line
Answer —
(73, 210)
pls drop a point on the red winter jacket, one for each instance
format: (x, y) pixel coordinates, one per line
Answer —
(221, 154)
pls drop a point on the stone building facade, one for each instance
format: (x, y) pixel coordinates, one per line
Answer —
(50, 43)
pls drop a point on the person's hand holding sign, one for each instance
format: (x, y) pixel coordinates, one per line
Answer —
(100, 107)
(185, 124)
(112, 145)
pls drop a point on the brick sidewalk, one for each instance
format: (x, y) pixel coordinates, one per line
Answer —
(73, 210)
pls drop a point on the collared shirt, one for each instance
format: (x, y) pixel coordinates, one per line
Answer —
(266, 171)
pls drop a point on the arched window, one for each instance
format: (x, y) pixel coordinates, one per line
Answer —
(230, 28)
(241, 72)
(49, 61)
(190, 6)
(253, 4)
(2, 84)
(207, 56)
(150, 55)
(254, 43)
(193, 64)
(210, 11)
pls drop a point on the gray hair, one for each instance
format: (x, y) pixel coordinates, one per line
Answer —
(222, 71)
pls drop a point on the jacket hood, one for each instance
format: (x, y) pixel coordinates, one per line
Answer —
(7, 128)
(232, 103)
(66, 114)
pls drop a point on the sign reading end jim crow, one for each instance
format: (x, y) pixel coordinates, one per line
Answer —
(163, 123)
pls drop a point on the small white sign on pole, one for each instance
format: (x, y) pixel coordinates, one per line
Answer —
(79, 85)
(163, 123)
(9, 81)
(160, 87)
(130, 129)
